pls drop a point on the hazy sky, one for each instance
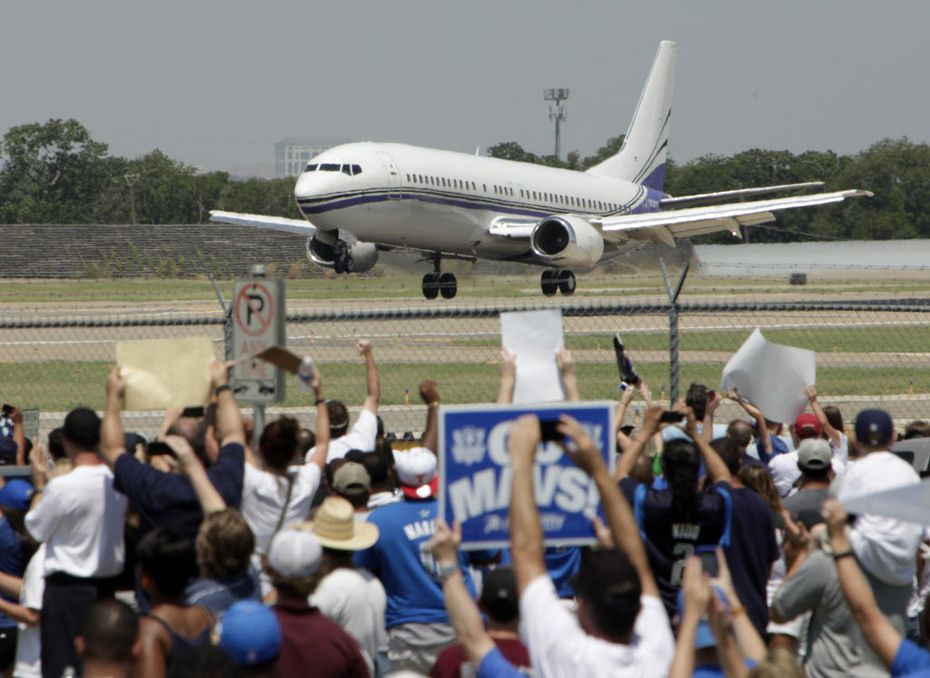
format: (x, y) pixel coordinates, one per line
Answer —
(216, 82)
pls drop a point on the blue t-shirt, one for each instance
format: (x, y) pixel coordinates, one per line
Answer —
(168, 500)
(563, 562)
(11, 561)
(911, 661)
(493, 665)
(413, 594)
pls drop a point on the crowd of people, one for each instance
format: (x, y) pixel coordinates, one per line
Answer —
(724, 548)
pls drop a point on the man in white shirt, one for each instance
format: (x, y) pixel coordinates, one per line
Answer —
(885, 547)
(80, 518)
(621, 628)
(365, 432)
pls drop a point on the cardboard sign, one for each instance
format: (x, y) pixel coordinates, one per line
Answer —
(476, 477)
(771, 376)
(166, 372)
(534, 337)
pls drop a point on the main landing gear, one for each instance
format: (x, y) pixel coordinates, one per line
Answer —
(437, 283)
(553, 281)
(343, 263)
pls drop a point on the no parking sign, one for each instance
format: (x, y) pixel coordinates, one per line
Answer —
(258, 324)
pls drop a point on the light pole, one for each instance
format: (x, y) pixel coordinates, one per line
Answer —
(557, 113)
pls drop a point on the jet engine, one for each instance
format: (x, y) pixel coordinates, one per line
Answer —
(323, 251)
(567, 242)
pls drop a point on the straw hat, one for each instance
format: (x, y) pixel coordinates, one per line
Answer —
(335, 527)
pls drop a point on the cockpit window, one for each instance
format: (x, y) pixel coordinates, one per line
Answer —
(330, 167)
(311, 167)
(347, 169)
(356, 169)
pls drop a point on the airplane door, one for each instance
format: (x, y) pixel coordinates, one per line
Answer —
(393, 175)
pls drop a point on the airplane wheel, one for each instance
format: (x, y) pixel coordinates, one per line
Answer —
(430, 285)
(567, 283)
(339, 265)
(448, 285)
(549, 283)
(349, 265)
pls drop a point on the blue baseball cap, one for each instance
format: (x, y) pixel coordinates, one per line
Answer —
(17, 494)
(249, 632)
(874, 428)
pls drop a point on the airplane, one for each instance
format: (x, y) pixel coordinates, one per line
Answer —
(360, 199)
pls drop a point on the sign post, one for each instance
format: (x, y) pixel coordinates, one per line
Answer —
(257, 312)
(476, 476)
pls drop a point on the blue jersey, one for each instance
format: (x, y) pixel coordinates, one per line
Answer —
(12, 562)
(413, 594)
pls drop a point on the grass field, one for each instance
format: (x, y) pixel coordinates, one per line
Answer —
(60, 385)
(408, 286)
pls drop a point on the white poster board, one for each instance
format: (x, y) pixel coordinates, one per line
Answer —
(534, 337)
(771, 376)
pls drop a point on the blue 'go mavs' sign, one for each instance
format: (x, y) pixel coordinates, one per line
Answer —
(475, 475)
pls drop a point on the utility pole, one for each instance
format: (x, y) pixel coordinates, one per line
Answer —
(557, 113)
(131, 181)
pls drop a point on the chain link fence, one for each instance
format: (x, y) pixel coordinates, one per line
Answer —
(871, 352)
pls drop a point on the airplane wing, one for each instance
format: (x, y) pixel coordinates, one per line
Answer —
(717, 196)
(670, 224)
(299, 226)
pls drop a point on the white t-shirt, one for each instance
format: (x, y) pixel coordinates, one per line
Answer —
(558, 646)
(785, 472)
(355, 600)
(263, 496)
(362, 437)
(884, 546)
(29, 642)
(80, 518)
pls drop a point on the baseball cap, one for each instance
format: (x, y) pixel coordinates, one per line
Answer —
(814, 454)
(17, 494)
(417, 472)
(499, 594)
(874, 427)
(294, 553)
(249, 632)
(351, 474)
(807, 425)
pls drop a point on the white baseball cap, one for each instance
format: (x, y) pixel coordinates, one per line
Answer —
(417, 471)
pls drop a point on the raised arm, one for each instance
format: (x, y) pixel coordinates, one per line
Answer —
(508, 367)
(210, 499)
(836, 437)
(877, 630)
(696, 591)
(19, 436)
(463, 613)
(716, 468)
(765, 440)
(750, 642)
(620, 520)
(630, 453)
(363, 346)
(707, 433)
(620, 412)
(229, 424)
(566, 363)
(322, 422)
(526, 539)
(430, 395)
(111, 428)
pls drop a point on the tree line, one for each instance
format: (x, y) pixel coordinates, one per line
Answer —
(56, 173)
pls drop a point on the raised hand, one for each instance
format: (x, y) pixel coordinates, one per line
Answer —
(444, 544)
(525, 436)
(363, 346)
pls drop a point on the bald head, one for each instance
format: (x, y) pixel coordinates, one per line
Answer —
(740, 432)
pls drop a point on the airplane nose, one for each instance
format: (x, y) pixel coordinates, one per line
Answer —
(305, 185)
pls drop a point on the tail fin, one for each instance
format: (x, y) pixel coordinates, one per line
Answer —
(642, 156)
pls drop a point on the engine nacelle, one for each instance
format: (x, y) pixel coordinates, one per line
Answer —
(566, 241)
(364, 255)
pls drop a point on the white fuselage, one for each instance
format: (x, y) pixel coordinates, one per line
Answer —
(428, 199)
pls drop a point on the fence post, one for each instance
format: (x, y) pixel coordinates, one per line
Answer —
(227, 320)
(673, 308)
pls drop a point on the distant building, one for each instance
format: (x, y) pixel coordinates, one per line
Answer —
(291, 155)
